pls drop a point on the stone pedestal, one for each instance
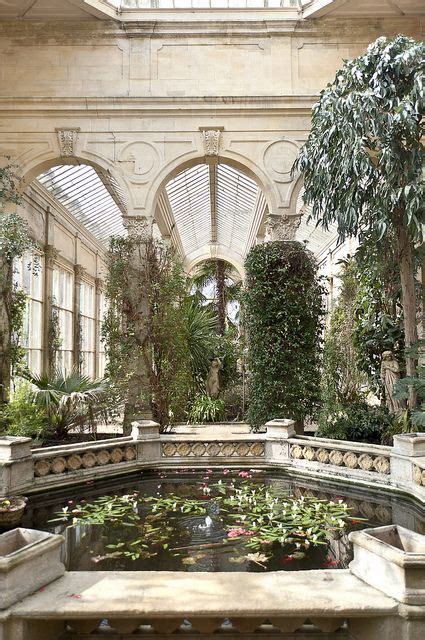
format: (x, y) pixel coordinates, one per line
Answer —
(29, 560)
(408, 451)
(277, 445)
(147, 437)
(391, 559)
(16, 465)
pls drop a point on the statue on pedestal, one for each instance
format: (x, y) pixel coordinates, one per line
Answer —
(213, 382)
(390, 373)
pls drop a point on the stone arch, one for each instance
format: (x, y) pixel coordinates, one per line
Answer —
(242, 163)
(221, 254)
(30, 170)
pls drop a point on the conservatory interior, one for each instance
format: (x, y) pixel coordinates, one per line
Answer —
(211, 319)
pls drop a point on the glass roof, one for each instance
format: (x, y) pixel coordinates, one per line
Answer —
(317, 239)
(212, 204)
(203, 4)
(97, 203)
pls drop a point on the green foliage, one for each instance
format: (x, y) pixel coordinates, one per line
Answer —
(18, 308)
(378, 322)
(201, 329)
(362, 163)
(234, 402)
(341, 379)
(206, 409)
(22, 416)
(358, 422)
(69, 400)
(414, 419)
(282, 310)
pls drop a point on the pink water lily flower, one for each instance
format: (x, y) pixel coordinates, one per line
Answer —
(244, 474)
(235, 533)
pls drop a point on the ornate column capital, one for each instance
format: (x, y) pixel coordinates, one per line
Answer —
(67, 139)
(79, 272)
(211, 137)
(99, 285)
(50, 255)
(138, 226)
(281, 227)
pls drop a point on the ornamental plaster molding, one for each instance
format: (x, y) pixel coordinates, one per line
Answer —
(212, 140)
(138, 226)
(79, 272)
(282, 227)
(67, 139)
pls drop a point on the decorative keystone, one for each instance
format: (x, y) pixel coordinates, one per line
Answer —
(14, 448)
(410, 444)
(391, 559)
(282, 429)
(145, 430)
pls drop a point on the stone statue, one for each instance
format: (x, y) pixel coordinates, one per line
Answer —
(213, 382)
(390, 373)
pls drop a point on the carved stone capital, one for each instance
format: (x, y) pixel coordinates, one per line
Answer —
(67, 139)
(282, 227)
(99, 285)
(51, 255)
(79, 272)
(212, 140)
(138, 226)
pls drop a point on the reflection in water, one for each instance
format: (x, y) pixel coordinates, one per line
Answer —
(187, 542)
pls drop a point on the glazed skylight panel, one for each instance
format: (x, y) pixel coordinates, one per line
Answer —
(204, 4)
(189, 198)
(236, 198)
(80, 190)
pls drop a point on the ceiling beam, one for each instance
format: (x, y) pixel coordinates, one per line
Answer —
(212, 162)
(96, 8)
(320, 8)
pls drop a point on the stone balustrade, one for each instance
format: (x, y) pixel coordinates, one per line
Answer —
(401, 467)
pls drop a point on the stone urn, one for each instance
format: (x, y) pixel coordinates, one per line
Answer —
(11, 510)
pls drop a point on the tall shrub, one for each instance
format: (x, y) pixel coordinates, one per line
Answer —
(283, 310)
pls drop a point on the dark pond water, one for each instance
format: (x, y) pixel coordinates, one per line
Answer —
(176, 541)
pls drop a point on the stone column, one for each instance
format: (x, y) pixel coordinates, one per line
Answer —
(79, 273)
(50, 257)
(281, 227)
(138, 405)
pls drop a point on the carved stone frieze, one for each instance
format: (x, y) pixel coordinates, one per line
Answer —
(339, 458)
(67, 139)
(138, 226)
(212, 140)
(244, 449)
(87, 460)
(282, 227)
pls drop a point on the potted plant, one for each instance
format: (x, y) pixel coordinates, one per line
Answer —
(11, 510)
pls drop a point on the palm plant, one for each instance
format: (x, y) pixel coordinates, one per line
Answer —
(219, 275)
(201, 328)
(70, 400)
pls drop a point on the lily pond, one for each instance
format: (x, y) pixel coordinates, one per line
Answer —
(213, 520)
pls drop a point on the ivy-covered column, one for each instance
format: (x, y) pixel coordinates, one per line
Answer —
(79, 273)
(6, 270)
(135, 317)
(50, 258)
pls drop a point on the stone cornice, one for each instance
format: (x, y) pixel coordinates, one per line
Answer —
(127, 106)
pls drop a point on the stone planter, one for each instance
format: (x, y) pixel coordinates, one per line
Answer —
(11, 514)
(29, 560)
(391, 559)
